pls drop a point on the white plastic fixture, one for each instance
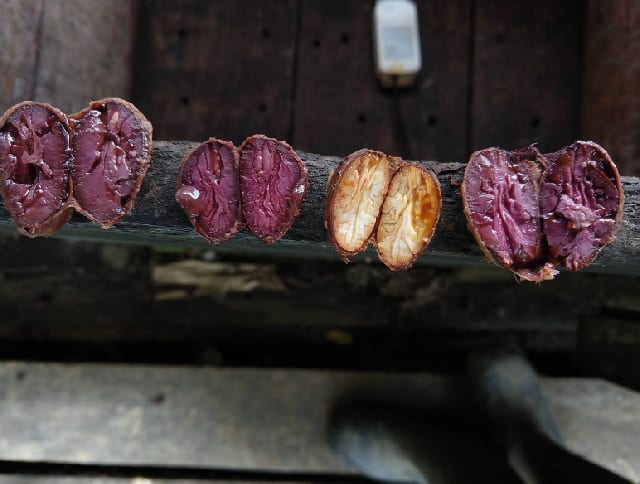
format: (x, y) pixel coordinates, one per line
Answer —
(396, 40)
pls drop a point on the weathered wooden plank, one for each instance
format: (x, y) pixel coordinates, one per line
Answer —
(270, 420)
(158, 220)
(340, 106)
(85, 52)
(526, 72)
(610, 100)
(221, 68)
(435, 110)
(20, 28)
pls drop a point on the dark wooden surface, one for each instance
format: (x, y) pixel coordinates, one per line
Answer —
(340, 106)
(610, 100)
(526, 74)
(221, 68)
(494, 73)
(269, 420)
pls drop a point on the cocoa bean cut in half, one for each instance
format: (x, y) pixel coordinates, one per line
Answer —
(581, 201)
(408, 217)
(209, 189)
(273, 184)
(34, 167)
(111, 145)
(500, 196)
(531, 212)
(355, 194)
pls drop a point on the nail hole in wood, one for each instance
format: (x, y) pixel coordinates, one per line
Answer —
(362, 118)
(317, 44)
(185, 101)
(432, 121)
(44, 298)
(157, 399)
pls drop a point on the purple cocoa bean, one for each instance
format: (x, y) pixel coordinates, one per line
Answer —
(34, 167)
(273, 183)
(531, 212)
(500, 196)
(209, 189)
(581, 201)
(111, 145)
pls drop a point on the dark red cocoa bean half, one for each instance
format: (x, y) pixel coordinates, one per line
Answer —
(500, 197)
(111, 146)
(273, 183)
(581, 200)
(34, 167)
(209, 189)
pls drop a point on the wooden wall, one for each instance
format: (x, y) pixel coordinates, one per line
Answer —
(611, 94)
(495, 73)
(65, 52)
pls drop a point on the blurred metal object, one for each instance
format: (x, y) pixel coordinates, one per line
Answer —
(510, 396)
(392, 443)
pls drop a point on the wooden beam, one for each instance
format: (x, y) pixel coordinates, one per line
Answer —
(158, 220)
(267, 420)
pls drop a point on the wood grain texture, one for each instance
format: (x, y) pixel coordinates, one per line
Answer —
(223, 67)
(157, 219)
(269, 420)
(435, 111)
(610, 100)
(340, 105)
(20, 29)
(526, 74)
(85, 52)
